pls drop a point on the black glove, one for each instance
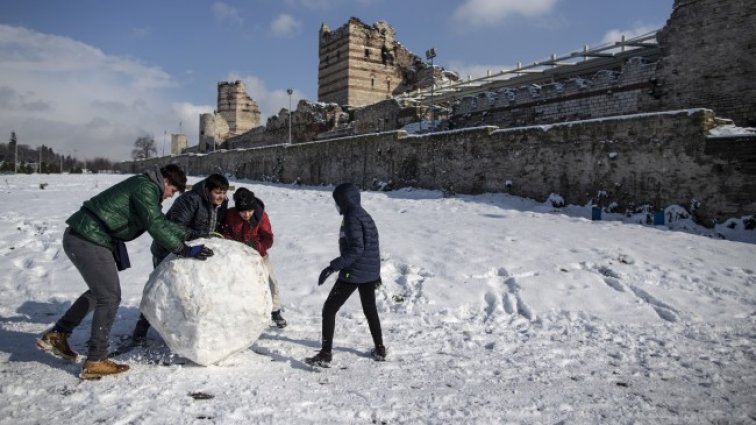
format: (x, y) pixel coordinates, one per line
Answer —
(200, 252)
(324, 275)
(253, 245)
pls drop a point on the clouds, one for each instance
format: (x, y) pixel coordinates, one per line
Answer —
(285, 26)
(491, 12)
(226, 14)
(616, 35)
(69, 95)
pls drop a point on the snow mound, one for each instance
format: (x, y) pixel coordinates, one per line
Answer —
(208, 310)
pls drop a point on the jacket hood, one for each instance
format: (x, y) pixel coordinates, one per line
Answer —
(347, 196)
(200, 189)
(156, 177)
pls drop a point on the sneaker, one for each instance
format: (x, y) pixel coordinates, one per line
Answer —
(322, 359)
(96, 369)
(56, 343)
(379, 353)
(278, 319)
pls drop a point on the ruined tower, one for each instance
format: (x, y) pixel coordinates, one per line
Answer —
(236, 113)
(361, 64)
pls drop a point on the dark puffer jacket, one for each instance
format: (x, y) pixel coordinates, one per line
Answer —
(360, 260)
(193, 210)
(128, 209)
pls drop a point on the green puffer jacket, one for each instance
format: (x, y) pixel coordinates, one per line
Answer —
(129, 208)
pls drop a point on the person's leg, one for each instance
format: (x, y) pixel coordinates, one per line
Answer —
(272, 283)
(140, 330)
(143, 325)
(367, 298)
(97, 266)
(336, 298)
(85, 303)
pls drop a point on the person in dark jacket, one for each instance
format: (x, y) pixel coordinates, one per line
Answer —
(359, 267)
(202, 212)
(247, 222)
(119, 214)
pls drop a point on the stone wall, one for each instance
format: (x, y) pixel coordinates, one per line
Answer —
(307, 122)
(646, 159)
(709, 59)
(607, 93)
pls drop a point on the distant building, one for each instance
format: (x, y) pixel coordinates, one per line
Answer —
(179, 143)
(236, 114)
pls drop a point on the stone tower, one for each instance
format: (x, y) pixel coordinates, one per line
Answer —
(237, 108)
(361, 64)
(237, 113)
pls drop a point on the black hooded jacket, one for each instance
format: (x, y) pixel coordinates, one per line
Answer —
(193, 210)
(360, 260)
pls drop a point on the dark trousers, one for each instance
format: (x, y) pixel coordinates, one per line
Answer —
(98, 268)
(340, 292)
(143, 325)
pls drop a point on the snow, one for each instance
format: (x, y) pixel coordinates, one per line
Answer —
(208, 310)
(730, 130)
(495, 309)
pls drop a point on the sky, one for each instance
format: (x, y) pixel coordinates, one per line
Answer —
(88, 78)
(494, 310)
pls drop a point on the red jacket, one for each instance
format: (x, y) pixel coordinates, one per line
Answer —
(259, 237)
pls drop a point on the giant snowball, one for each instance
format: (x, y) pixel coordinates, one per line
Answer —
(208, 310)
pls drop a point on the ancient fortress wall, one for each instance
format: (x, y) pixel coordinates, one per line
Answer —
(709, 59)
(361, 64)
(620, 138)
(607, 93)
(624, 162)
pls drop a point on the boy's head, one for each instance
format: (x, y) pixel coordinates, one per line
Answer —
(175, 176)
(216, 186)
(347, 196)
(244, 200)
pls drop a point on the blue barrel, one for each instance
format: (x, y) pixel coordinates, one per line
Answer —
(596, 213)
(659, 218)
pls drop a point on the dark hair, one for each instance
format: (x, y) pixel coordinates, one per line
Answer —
(244, 199)
(175, 176)
(216, 181)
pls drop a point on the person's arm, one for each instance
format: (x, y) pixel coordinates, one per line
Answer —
(265, 233)
(183, 211)
(147, 213)
(354, 241)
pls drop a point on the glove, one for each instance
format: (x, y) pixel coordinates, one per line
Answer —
(324, 275)
(199, 252)
(253, 245)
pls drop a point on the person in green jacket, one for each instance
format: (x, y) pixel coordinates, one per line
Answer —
(94, 241)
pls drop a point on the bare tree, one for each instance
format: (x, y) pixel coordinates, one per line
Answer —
(144, 148)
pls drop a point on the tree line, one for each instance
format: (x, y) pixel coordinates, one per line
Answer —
(15, 157)
(44, 159)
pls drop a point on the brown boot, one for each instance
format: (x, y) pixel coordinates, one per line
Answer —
(96, 369)
(56, 343)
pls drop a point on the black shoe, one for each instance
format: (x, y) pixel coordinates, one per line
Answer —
(322, 359)
(379, 353)
(278, 319)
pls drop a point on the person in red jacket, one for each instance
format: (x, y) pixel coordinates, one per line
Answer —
(247, 222)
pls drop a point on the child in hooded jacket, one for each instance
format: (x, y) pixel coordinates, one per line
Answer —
(247, 222)
(359, 269)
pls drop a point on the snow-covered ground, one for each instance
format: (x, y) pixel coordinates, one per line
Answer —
(494, 309)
